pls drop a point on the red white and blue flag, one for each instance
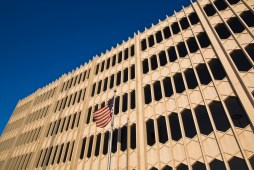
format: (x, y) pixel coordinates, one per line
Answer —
(104, 115)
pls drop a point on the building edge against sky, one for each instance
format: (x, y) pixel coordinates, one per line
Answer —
(185, 97)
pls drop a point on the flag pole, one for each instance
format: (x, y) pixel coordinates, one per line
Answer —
(111, 133)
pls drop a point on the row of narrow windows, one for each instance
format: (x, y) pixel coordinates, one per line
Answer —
(55, 154)
(75, 80)
(22, 108)
(70, 100)
(167, 86)
(119, 136)
(170, 55)
(19, 162)
(45, 96)
(219, 117)
(28, 137)
(13, 125)
(63, 124)
(166, 32)
(235, 163)
(5, 145)
(127, 74)
(127, 101)
(39, 114)
(122, 55)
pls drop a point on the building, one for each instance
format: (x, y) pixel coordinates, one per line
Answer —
(185, 100)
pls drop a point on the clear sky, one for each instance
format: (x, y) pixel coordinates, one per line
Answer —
(42, 39)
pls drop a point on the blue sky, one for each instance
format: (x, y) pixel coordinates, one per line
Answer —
(40, 40)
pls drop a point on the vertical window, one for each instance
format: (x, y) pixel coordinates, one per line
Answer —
(179, 85)
(133, 99)
(102, 66)
(147, 92)
(240, 60)
(220, 5)
(209, 10)
(192, 44)
(217, 69)
(111, 81)
(162, 129)
(172, 54)
(188, 123)
(73, 122)
(97, 69)
(98, 141)
(157, 90)
(105, 143)
(126, 53)
(158, 36)
(73, 143)
(66, 152)
(247, 17)
(163, 58)
(154, 63)
(132, 72)
(182, 49)
(204, 123)
(117, 104)
(99, 87)
(89, 152)
(125, 102)
(166, 32)
(203, 74)
(222, 31)
(118, 80)
(124, 138)
(235, 25)
(193, 18)
(120, 57)
(151, 41)
(113, 60)
(114, 141)
(143, 45)
(54, 156)
(132, 50)
(175, 28)
(167, 87)
(60, 153)
(175, 126)
(125, 75)
(145, 66)
(93, 90)
(133, 136)
(108, 63)
(88, 115)
(67, 126)
(150, 132)
(184, 23)
(105, 84)
(203, 40)
(191, 78)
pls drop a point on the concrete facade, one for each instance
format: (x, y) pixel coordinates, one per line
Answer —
(185, 100)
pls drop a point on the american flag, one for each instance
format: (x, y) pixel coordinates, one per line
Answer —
(103, 116)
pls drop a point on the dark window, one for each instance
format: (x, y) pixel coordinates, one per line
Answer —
(125, 102)
(67, 126)
(132, 72)
(182, 49)
(120, 57)
(188, 123)
(184, 23)
(167, 87)
(108, 62)
(179, 85)
(125, 75)
(75, 115)
(89, 152)
(198, 166)
(157, 90)
(203, 40)
(248, 16)
(60, 153)
(153, 168)
(97, 69)
(220, 5)
(150, 132)
(117, 103)
(123, 138)
(118, 80)
(252, 161)
(105, 144)
(192, 44)
(133, 99)
(235, 25)
(102, 104)
(73, 143)
(217, 164)
(232, 2)
(114, 141)
(219, 116)
(93, 90)
(158, 36)
(172, 54)
(63, 124)
(237, 112)
(98, 142)
(190, 78)
(49, 155)
(133, 136)
(162, 129)
(111, 81)
(66, 151)
(204, 123)
(209, 10)
(147, 92)
(88, 115)
(203, 74)
(222, 31)
(175, 126)
(151, 41)
(126, 53)
(163, 58)
(143, 45)
(175, 28)
(105, 84)
(54, 156)
(154, 63)
(145, 66)
(113, 60)
(167, 168)
(166, 32)
(237, 163)
(182, 167)
(99, 87)
(250, 51)
(132, 50)
(240, 60)
(193, 18)
(217, 69)
(102, 66)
